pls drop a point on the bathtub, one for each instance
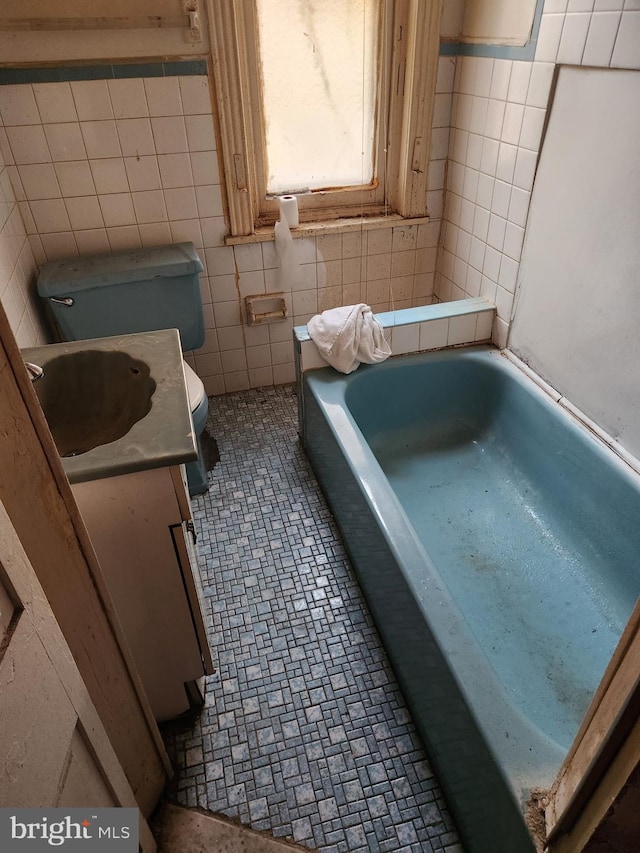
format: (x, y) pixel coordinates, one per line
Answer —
(496, 541)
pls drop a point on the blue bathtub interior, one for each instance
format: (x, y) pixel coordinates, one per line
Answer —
(495, 539)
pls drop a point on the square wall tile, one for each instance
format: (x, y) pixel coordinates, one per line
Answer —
(100, 139)
(92, 99)
(194, 93)
(508, 275)
(29, 144)
(214, 230)
(117, 209)
(136, 138)
(441, 110)
(93, 241)
(229, 337)
(175, 170)
(75, 178)
(50, 215)
(310, 357)
(220, 261)
(434, 334)
(248, 257)
(13, 192)
(574, 38)
(55, 102)
(512, 125)
(156, 234)
(506, 164)
(128, 98)
(500, 79)
(109, 175)
(18, 106)
(6, 155)
(405, 339)
(200, 133)
(84, 212)
(519, 82)
(601, 38)
(124, 237)
(29, 223)
(65, 141)
(149, 206)
(580, 5)
(163, 96)
(627, 46)
(39, 181)
(209, 201)
(205, 168)
(549, 36)
(187, 230)
(143, 173)
(462, 329)
(251, 283)
(181, 203)
(540, 84)
(608, 5)
(259, 356)
(484, 324)
(519, 206)
(525, 169)
(169, 134)
(403, 263)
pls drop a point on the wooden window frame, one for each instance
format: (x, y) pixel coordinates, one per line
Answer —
(409, 53)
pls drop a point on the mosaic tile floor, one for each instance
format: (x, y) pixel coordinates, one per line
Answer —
(304, 733)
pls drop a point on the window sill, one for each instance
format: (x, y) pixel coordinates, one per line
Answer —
(336, 226)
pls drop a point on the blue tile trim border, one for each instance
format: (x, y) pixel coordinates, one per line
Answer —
(498, 51)
(63, 73)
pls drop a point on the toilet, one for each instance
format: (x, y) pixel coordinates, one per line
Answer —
(121, 293)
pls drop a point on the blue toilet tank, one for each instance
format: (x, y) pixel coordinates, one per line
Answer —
(124, 292)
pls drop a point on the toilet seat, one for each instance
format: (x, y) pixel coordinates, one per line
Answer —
(195, 387)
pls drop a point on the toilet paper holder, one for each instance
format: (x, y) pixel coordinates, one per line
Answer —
(265, 308)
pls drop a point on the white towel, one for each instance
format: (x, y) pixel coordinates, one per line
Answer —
(348, 336)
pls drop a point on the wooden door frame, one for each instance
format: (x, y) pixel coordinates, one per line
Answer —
(19, 579)
(38, 500)
(604, 753)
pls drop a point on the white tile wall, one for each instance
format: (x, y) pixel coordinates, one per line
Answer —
(106, 165)
(418, 330)
(498, 114)
(17, 264)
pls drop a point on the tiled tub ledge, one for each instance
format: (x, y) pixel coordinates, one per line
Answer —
(445, 324)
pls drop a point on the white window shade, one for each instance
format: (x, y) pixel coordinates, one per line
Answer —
(359, 139)
(319, 75)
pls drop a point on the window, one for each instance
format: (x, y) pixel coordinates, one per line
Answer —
(377, 108)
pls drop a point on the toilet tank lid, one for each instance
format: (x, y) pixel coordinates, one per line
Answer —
(73, 274)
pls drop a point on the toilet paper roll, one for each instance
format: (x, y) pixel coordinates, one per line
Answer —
(289, 210)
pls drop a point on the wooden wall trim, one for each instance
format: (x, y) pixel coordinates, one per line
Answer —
(605, 751)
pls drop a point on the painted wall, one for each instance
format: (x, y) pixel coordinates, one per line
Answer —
(578, 303)
(498, 115)
(498, 21)
(65, 45)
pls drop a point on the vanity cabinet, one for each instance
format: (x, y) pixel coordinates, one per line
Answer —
(141, 528)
